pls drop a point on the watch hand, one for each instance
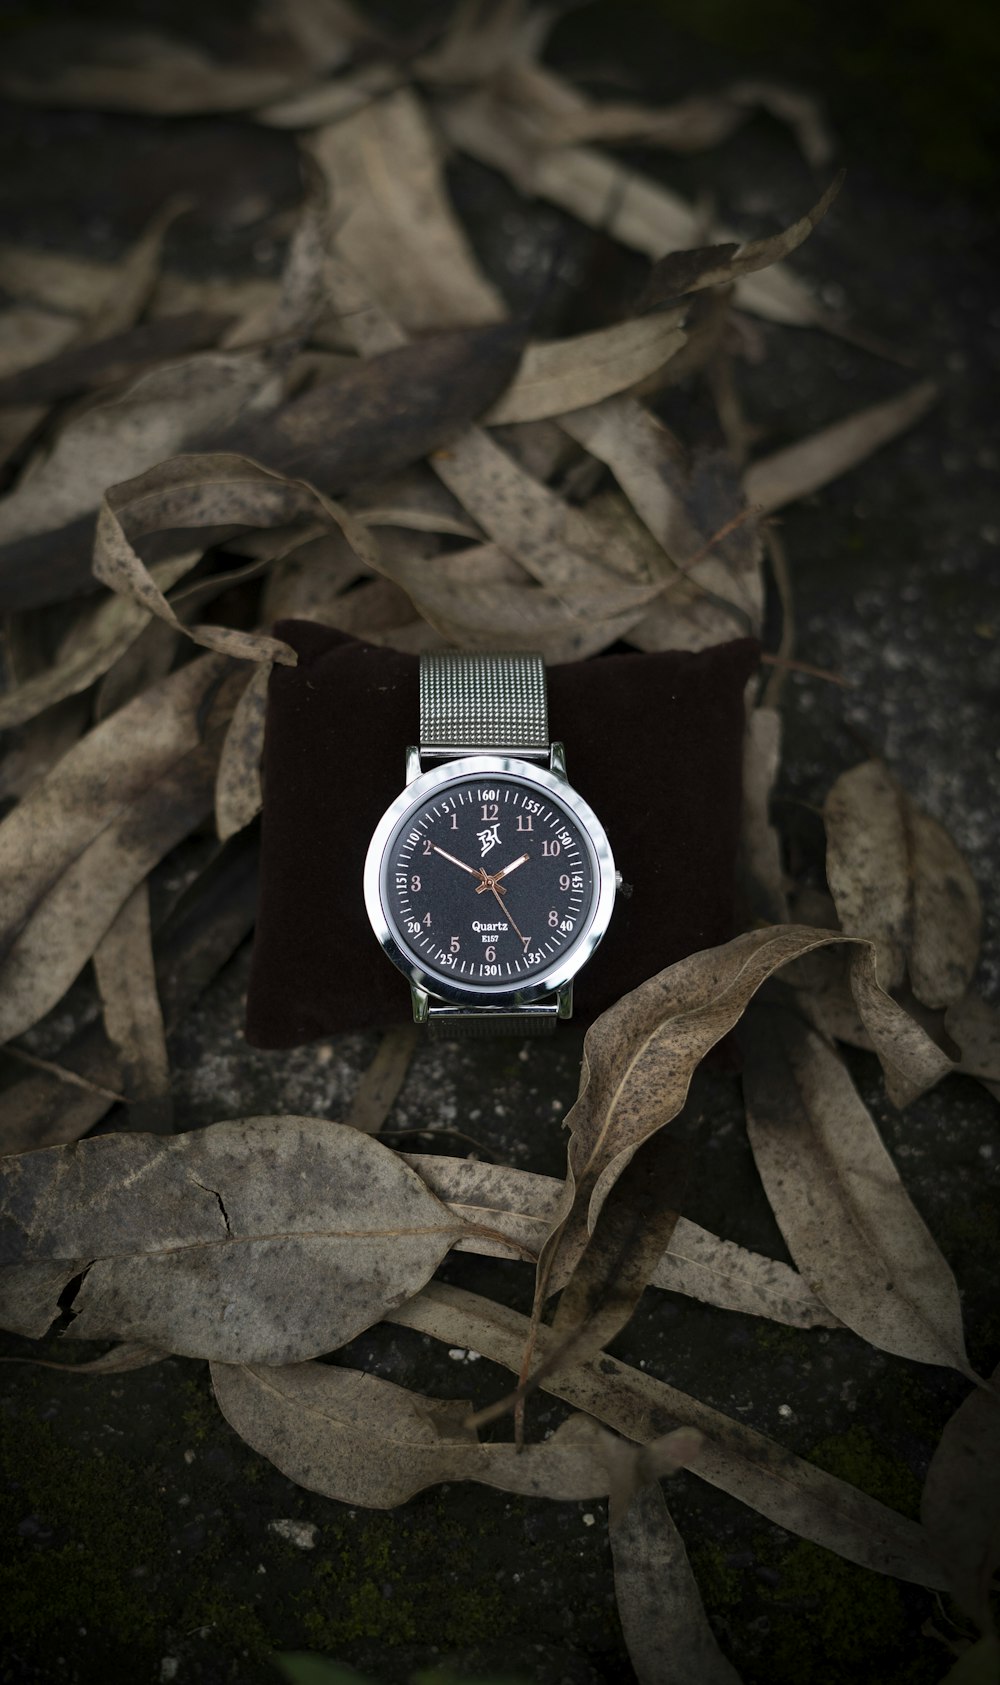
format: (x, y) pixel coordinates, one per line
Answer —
(507, 914)
(454, 861)
(494, 877)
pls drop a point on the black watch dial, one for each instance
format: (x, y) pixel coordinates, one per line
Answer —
(488, 882)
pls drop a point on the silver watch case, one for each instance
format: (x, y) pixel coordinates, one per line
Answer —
(568, 963)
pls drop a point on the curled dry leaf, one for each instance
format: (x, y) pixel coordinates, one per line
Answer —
(117, 357)
(813, 462)
(381, 1082)
(96, 640)
(86, 835)
(364, 1440)
(846, 1216)
(41, 1110)
(898, 878)
(120, 1360)
(719, 266)
(622, 203)
(157, 415)
(520, 1204)
(133, 1019)
(961, 1501)
(663, 1620)
(760, 845)
(565, 374)
(791, 1492)
(238, 793)
(262, 1240)
(382, 161)
(137, 70)
(974, 1025)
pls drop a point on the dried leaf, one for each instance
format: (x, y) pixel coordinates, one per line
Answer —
(366, 1441)
(897, 878)
(120, 1360)
(813, 462)
(760, 845)
(262, 1240)
(719, 266)
(840, 1204)
(716, 587)
(521, 1205)
(974, 1024)
(133, 1020)
(97, 639)
(83, 838)
(136, 70)
(565, 374)
(789, 1491)
(381, 1082)
(238, 793)
(329, 102)
(382, 164)
(146, 661)
(621, 203)
(663, 1620)
(114, 358)
(159, 414)
(960, 1502)
(40, 1110)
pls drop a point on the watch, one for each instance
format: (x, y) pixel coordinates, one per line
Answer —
(488, 881)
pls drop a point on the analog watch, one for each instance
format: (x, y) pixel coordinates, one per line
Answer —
(489, 881)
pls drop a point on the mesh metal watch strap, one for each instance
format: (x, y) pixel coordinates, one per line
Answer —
(483, 700)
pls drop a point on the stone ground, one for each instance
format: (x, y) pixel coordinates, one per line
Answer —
(145, 1542)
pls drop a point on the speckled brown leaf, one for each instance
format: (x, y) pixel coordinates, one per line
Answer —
(564, 374)
(974, 1025)
(133, 1018)
(520, 1204)
(364, 1440)
(381, 1082)
(840, 1204)
(664, 1624)
(960, 1502)
(898, 878)
(87, 834)
(791, 1492)
(261, 1240)
(813, 462)
(238, 793)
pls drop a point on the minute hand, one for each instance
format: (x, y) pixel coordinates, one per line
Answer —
(490, 878)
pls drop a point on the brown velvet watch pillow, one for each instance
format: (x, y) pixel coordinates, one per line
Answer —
(653, 743)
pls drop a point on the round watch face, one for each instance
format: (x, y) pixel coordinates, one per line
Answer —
(488, 881)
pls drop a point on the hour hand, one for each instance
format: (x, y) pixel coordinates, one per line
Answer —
(455, 862)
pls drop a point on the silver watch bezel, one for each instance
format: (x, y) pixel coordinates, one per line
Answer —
(568, 964)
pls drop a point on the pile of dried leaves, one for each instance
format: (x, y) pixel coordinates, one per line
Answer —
(209, 432)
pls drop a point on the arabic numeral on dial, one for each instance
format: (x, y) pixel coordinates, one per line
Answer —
(455, 945)
(427, 920)
(400, 880)
(491, 953)
(428, 846)
(415, 883)
(491, 811)
(565, 924)
(553, 918)
(564, 880)
(491, 971)
(413, 926)
(536, 958)
(551, 848)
